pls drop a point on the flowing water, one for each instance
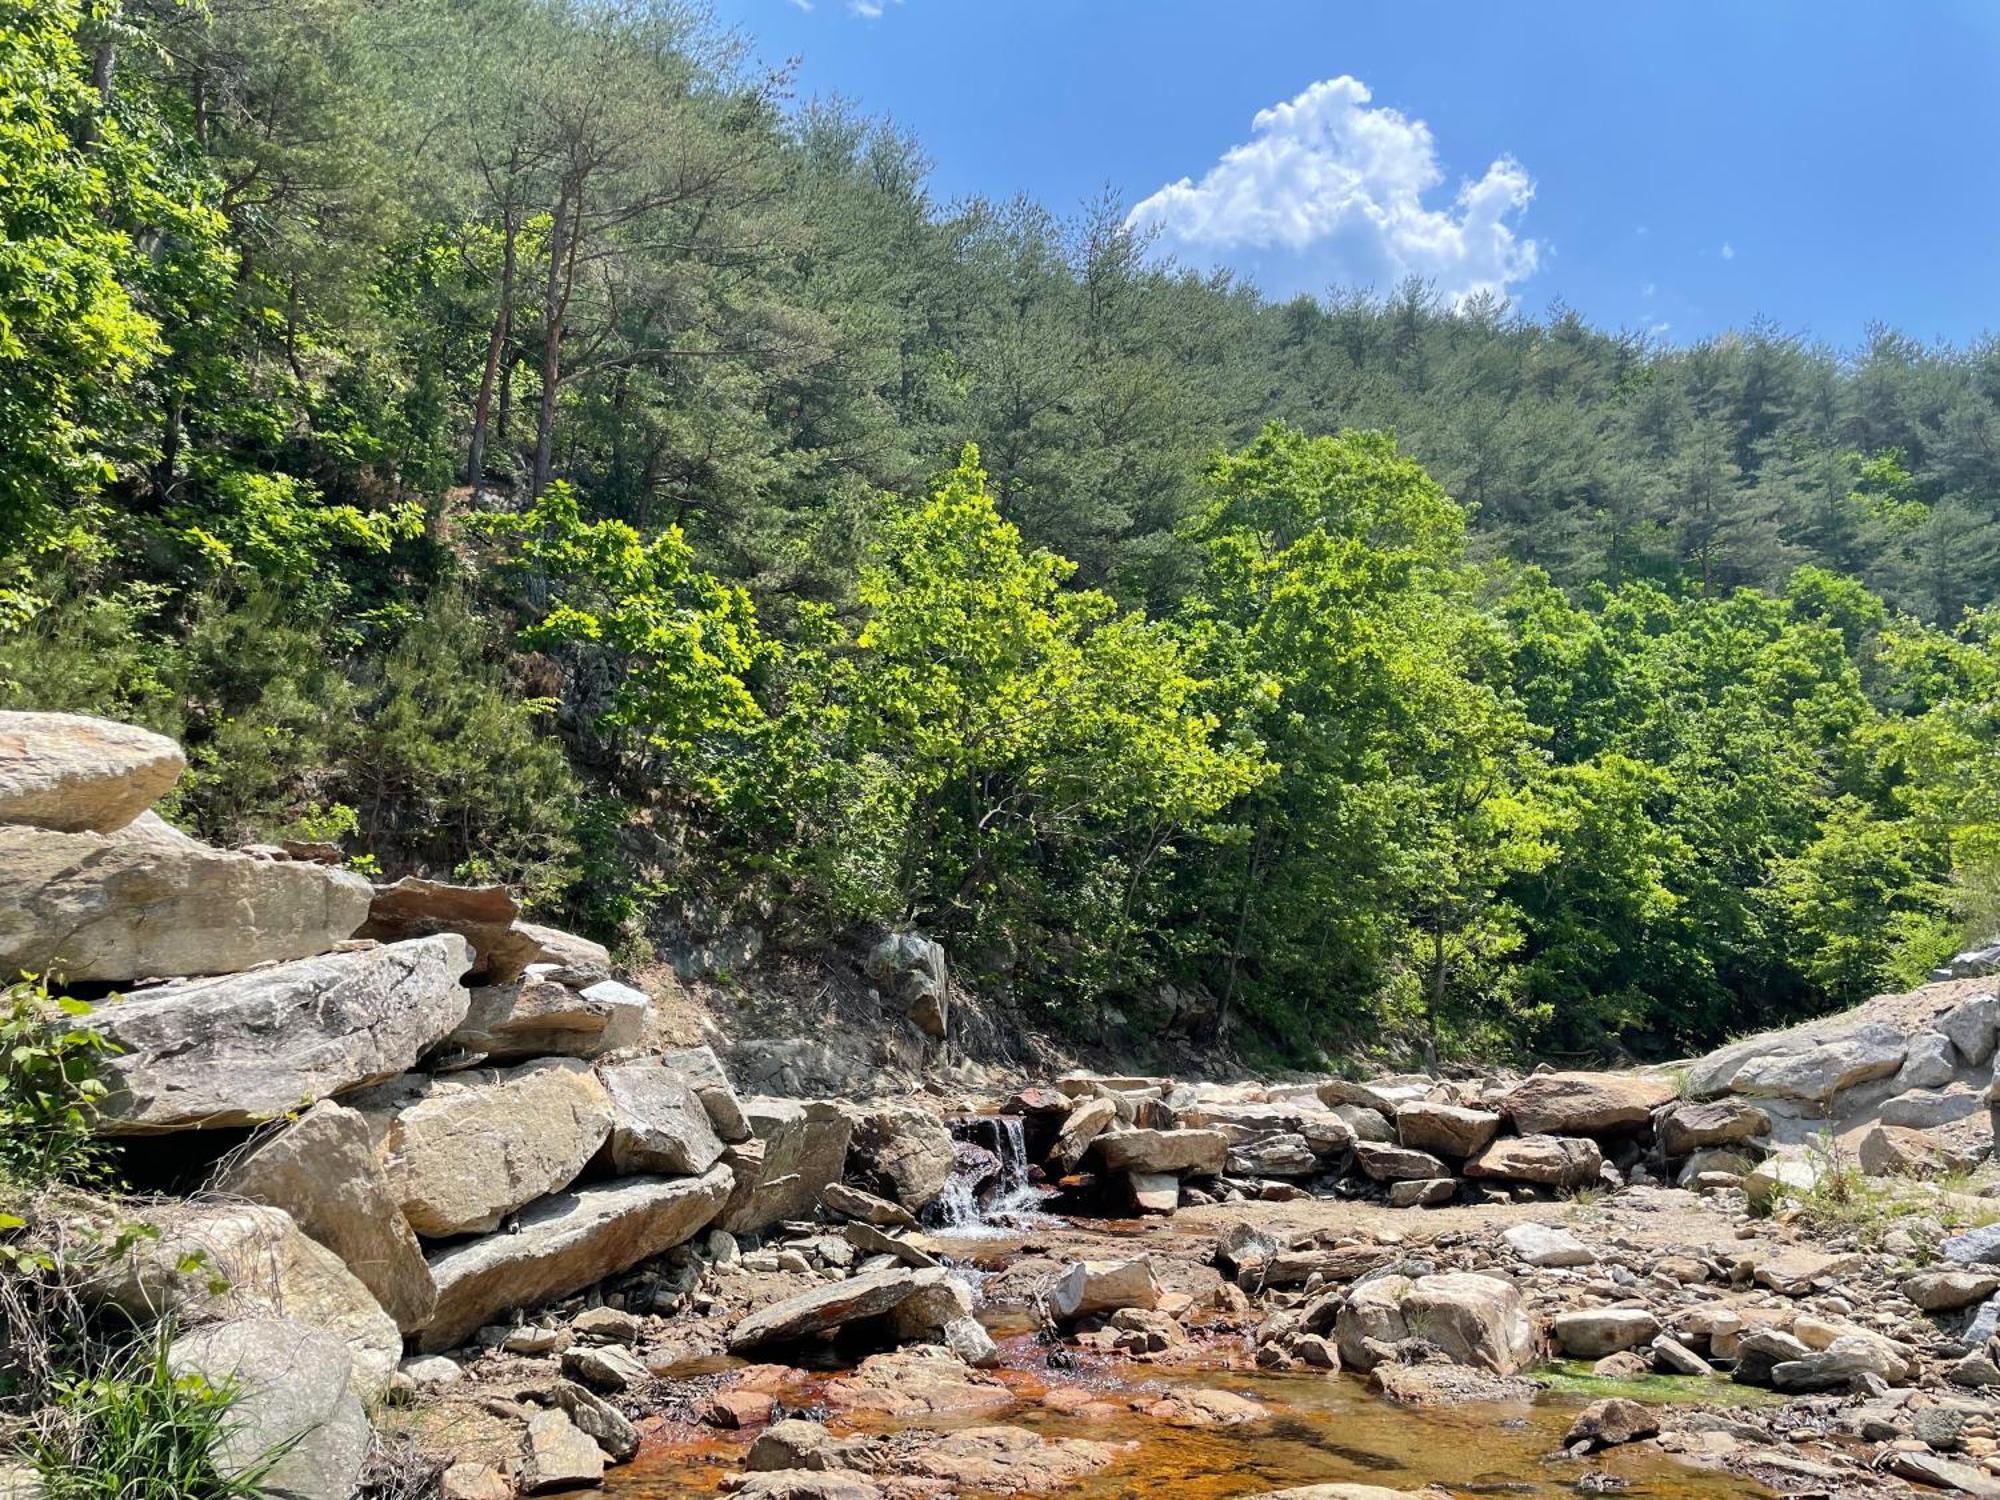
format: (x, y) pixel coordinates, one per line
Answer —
(1011, 1200)
(1322, 1429)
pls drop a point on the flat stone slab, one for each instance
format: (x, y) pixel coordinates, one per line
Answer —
(77, 774)
(873, 1295)
(247, 1048)
(565, 1243)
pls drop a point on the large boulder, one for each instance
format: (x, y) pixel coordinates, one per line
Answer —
(148, 900)
(484, 915)
(911, 968)
(224, 1262)
(295, 1398)
(1445, 1129)
(1201, 1152)
(799, 1149)
(1551, 1160)
(1583, 1103)
(704, 1073)
(1089, 1287)
(902, 1152)
(465, 1150)
(1086, 1121)
(81, 775)
(1972, 1025)
(1687, 1126)
(246, 1048)
(874, 1294)
(1593, 1332)
(1810, 1064)
(536, 1015)
(565, 1243)
(1475, 1320)
(658, 1122)
(1387, 1163)
(322, 1170)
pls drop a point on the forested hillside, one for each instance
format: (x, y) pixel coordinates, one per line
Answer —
(519, 439)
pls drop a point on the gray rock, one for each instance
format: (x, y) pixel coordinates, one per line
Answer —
(1283, 1155)
(969, 1340)
(1973, 1248)
(1422, 1192)
(1948, 1291)
(600, 1421)
(322, 1170)
(1931, 1063)
(535, 1015)
(658, 1123)
(1926, 1109)
(296, 1398)
(1385, 1163)
(464, 1151)
(77, 774)
(1089, 1119)
(557, 1455)
(565, 1243)
(229, 1262)
(703, 1071)
(248, 1048)
(1687, 1126)
(148, 900)
(911, 968)
(1671, 1357)
(799, 1150)
(1837, 1365)
(1546, 1246)
(875, 1294)
(604, 1367)
(903, 1152)
(1366, 1123)
(1810, 1063)
(1473, 1319)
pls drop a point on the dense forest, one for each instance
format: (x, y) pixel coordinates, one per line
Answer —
(518, 439)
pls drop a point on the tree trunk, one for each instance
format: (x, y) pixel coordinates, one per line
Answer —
(562, 234)
(496, 348)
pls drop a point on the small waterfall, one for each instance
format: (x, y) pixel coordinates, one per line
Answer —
(991, 1186)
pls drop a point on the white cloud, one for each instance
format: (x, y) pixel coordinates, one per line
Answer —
(1328, 189)
(870, 10)
(805, 5)
(1728, 251)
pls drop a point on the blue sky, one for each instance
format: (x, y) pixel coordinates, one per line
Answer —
(1679, 167)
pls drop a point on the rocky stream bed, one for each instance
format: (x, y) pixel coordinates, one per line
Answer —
(431, 1184)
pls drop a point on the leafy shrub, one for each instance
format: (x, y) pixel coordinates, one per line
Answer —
(49, 1088)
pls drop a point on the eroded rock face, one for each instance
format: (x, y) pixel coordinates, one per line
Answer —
(658, 1122)
(247, 1048)
(322, 1170)
(76, 774)
(1583, 1103)
(296, 1398)
(903, 1152)
(536, 1015)
(147, 900)
(220, 1263)
(565, 1243)
(465, 1150)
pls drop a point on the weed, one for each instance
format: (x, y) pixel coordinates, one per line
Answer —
(50, 1088)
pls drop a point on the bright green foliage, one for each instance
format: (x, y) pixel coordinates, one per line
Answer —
(50, 1088)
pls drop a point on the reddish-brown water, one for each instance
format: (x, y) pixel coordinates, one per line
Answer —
(1322, 1429)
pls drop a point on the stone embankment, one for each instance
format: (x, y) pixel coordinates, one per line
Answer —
(435, 1156)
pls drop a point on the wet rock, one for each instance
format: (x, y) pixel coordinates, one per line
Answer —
(565, 1243)
(1583, 1103)
(535, 1015)
(1200, 1408)
(77, 774)
(925, 1381)
(557, 1455)
(1546, 1246)
(1201, 1152)
(464, 1151)
(1385, 1163)
(800, 1149)
(1004, 1460)
(484, 915)
(296, 1398)
(902, 1152)
(247, 1048)
(235, 1262)
(658, 1123)
(804, 1484)
(1687, 1126)
(146, 900)
(1445, 1129)
(322, 1170)
(1610, 1424)
(1554, 1161)
(1422, 1192)
(1592, 1332)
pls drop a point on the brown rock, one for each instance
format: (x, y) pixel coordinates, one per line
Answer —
(1608, 1424)
(77, 774)
(1555, 1161)
(1583, 1103)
